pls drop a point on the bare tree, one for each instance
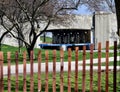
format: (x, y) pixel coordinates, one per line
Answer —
(111, 5)
(99, 5)
(15, 15)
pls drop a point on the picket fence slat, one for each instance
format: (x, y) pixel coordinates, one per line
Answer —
(76, 68)
(24, 72)
(39, 71)
(46, 70)
(91, 67)
(61, 70)
(0, 69)
(9, 71)
(107, 66)
(69, 70)
(16, 72)
(115, 68)
(69, 76)
(31, 72)
(84, 69)
(1, 72)
(99, 67)
(54, 71)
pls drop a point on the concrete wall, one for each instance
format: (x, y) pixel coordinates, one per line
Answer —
(101, 29)
(8, 39)
(75, 22)
(105, 28)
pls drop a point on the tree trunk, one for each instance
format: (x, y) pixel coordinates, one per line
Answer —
(29, 50)
(31, 47)
(44, 37)
(117, 5)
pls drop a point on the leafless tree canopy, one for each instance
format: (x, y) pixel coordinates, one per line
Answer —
(100, 5)
(15, 13)
(24, 10)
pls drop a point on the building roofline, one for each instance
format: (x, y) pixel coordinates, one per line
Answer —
(53, 30)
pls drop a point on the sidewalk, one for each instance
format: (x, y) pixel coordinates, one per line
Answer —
(50, 66)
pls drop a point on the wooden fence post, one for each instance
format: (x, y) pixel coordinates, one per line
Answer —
(99, 67)
(69, 69)
(24, 72)
(16, 71)
(1, 73)
(9, 71)
(91, 67)
(76, 68)
(31, 73)
(61, 70)
(84, 69)
(115, 68)
(46, 71)
(107, 66)
(39, 71)
(54, 71)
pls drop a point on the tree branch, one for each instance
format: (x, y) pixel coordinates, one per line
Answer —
(24, 10)
(19, 38)
(44, 29)
(69, 8)
(9, 31)
(40, 5)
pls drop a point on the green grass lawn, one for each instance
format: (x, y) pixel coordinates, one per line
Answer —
(95, 81)
(6, 48)
(48, 39)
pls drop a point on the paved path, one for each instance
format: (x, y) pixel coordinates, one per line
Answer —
(58, 66)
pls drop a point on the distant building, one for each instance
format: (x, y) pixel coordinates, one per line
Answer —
(85, 30)
(80, 29)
